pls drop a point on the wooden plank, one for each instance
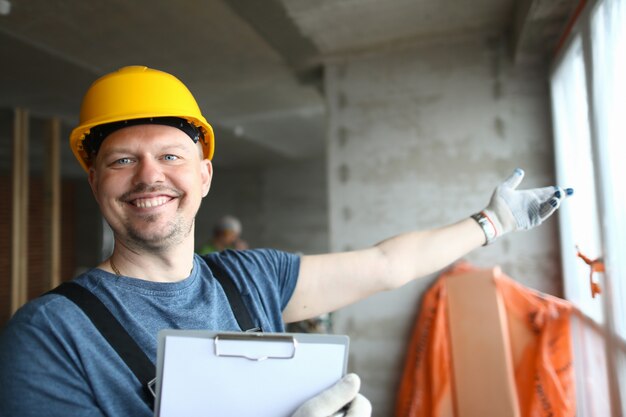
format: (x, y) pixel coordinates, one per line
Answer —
(484, 380)
(52, 201)
(16, 212)
(19, 265)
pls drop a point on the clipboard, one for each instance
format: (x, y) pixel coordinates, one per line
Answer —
(208, 373)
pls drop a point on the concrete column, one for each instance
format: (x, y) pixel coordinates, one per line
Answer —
(419, 137)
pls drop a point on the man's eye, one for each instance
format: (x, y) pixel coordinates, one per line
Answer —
(170, 157)
(123, 161)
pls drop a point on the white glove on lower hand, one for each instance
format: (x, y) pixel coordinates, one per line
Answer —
(335, 398)
(510, 209)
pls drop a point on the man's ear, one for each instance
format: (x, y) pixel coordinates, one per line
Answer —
(206, 171)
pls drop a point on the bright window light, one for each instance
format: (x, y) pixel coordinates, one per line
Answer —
(579, 222)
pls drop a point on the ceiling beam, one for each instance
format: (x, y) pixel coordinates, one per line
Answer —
(270, 20)
(538, 26)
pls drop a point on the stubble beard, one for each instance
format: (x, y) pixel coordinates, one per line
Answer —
(174, 233)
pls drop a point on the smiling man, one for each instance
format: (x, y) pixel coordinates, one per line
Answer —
(149, 180)
(147, 150)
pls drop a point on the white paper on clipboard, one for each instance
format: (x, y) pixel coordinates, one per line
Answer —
(206, 373)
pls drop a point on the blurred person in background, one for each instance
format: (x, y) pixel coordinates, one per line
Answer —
(226, 235)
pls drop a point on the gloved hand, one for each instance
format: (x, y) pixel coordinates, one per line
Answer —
(335, 398)
(511, 209)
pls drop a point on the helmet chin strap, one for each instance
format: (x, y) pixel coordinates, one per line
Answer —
(98, 134)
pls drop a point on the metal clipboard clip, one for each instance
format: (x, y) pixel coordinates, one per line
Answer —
(261, 337)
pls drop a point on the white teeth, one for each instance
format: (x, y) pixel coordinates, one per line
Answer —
(150, 202)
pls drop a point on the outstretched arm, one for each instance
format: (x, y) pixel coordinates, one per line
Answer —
(328, 282)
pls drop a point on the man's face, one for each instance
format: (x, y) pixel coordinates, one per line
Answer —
(149, 181)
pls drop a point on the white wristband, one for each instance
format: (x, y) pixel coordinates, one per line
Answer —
(485, 223)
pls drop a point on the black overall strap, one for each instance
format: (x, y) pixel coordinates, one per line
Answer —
(123, 343)
(113, 331)
(242, 315)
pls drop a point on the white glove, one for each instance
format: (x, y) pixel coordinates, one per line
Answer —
(332, 401)
(510, 209)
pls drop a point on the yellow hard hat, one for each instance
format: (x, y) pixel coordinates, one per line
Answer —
(133, 93)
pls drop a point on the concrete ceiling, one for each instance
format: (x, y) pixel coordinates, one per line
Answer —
(255, 66)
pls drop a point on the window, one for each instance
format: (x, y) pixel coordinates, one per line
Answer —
(608, 35)
(588, 86)
(579, 221)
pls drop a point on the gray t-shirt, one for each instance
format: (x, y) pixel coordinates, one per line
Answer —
(54, 362)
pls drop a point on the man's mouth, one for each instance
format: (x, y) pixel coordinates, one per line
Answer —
(150, 202)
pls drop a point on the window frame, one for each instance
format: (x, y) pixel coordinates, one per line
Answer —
(614, 343)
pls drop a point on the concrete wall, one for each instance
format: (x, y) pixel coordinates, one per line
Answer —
(295, 204)
(237, 192)
(419, 137)
(282, 206)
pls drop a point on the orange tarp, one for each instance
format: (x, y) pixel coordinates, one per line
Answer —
(540, 340)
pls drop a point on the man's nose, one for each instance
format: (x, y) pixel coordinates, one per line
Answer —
(148, 171)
